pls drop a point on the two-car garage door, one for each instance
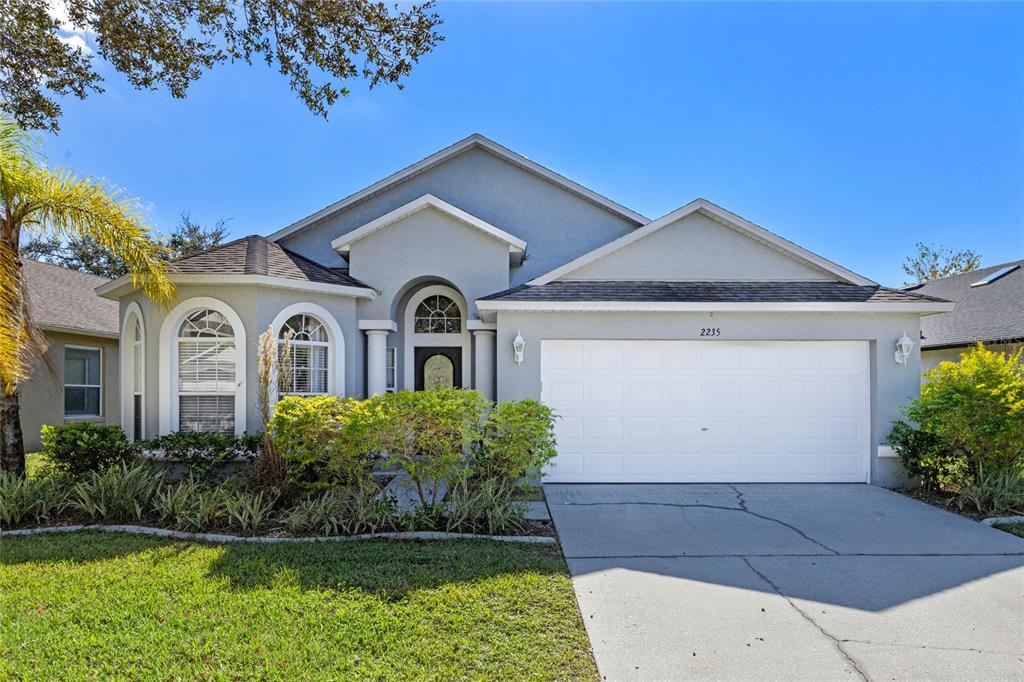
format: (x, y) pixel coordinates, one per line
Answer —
(689, 411)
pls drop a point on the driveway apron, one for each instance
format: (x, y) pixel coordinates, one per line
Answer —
(789, 581)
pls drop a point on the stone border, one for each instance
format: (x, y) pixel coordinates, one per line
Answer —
(993, 520)
(216, 537)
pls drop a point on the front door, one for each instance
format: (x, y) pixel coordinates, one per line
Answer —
(438, 367)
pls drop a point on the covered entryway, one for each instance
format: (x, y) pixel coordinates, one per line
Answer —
(708, 411)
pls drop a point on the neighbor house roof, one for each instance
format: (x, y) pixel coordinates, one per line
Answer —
(65, 300)
(992, 312)
(474, 141)
(724, 295)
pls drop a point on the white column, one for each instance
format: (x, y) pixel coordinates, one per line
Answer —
(376, 361)
(483, 361)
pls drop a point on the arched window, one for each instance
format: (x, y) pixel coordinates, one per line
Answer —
(438, 314)
(308, 372)
(206, 373)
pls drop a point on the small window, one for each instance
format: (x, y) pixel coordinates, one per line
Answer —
(438, 315)
(82, 383)
(391, 367)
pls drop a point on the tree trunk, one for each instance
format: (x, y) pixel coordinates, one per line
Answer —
(12, 445)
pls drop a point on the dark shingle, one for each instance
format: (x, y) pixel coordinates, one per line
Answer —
(708, 292)
(67, 299)
(990, 313)
(256, 255)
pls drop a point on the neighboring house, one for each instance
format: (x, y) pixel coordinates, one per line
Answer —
(695, 347)
(989, 309)
(78, 379)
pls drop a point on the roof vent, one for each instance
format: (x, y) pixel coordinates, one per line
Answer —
(1002, 272)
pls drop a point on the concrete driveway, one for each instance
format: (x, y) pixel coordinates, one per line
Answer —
(757, 581)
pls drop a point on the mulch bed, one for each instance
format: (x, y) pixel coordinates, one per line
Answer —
(942, 500)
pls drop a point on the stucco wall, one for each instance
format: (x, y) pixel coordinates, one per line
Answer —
(892, 385)
(257, 307)
(557, 224)
(42, 396)
(428, 245)
(697, 248)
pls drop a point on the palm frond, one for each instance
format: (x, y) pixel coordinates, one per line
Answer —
(68, 205)
(14, 338)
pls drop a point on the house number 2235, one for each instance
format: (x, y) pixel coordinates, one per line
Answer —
(711, 331)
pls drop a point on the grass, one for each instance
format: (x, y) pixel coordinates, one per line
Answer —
(90, 605)
(1014, 528)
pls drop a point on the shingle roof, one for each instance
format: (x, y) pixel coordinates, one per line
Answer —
(708, 292)
(67, 299)
(256, 255)
(990, 313)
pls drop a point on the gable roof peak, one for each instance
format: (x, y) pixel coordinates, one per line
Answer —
(474, 140)
(721, 215)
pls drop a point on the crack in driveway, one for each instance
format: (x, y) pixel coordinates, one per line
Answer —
(838, 643)
(742, 509)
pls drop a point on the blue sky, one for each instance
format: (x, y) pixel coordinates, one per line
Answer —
(853, 130)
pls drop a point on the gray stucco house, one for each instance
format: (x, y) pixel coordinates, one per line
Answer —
(78, 380)
(989, 310)
(694, 347)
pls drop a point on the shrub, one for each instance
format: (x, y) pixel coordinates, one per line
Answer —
(26, 500)
(1000, 492)
(518, 438)
(976, 408)
(205, 454)
(487, 508)
(82, 447)
(929, 458)
(248, 512)
(328, 441)
(427, 435)
(189, 505)
(119, 494)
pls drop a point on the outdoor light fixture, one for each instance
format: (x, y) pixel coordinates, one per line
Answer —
(903, 348)
(518, 346)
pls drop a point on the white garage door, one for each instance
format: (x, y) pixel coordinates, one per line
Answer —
(688, 411)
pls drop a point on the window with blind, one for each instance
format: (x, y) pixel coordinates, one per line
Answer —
(308, 371)
(206, 373)
(390, 370)
(82, 382)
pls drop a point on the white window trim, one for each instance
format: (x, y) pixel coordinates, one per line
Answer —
(413, 340)
(65, 384)
(132, 312)
(336, 339)
(169, 360)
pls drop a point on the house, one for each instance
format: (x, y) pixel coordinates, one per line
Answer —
(989, 309)
(694, 347)
(78, 379)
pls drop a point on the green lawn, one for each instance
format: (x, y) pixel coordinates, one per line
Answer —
(92, 605)
(1015, 528)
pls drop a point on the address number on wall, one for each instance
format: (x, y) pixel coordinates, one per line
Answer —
(710, 331)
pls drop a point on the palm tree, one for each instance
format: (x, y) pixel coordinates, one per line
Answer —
(44, 202)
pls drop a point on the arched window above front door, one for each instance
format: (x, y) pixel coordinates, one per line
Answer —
(437, 314)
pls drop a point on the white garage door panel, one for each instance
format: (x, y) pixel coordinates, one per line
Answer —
(772, 411)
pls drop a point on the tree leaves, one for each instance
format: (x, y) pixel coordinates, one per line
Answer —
(315, 44)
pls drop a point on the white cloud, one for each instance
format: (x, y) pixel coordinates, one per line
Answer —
(77, 41)
(69, 33)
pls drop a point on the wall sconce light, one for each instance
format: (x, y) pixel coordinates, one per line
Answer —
(518, 346)
(903, 348)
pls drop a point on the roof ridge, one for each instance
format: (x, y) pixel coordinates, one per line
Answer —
(255, 256)
(61, 267)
